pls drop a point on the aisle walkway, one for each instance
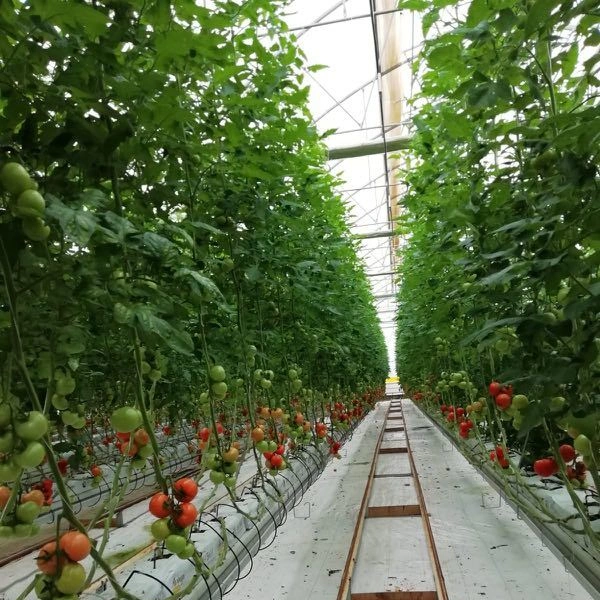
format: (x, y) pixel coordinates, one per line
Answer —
(487, 553)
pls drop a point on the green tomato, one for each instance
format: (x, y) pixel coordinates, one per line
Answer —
(217, 477)
(293, 374)
(35, 229)
(126, 419)
(9, 471)
(72, 579)
(121, 314)
(258, 374)
(582, 444)
(175, 543)
(187, 552)
(30, 204)
(68, 417)
(145, 451)
(5, 414)
(272, 446)
(28, 512)
(7, 442)
(262, 446)
(155, 375)
(229, 468)
(296, 385)
(15, 178)
(219, 389)
(250, 361)
(59, 402)
(146, 368)
(252, 349)
(204, 398)
(78, 422)
(520, 401)
(217, 373)
(6, 531)
(23, 530)
(32, 456)
(65, 386)
(34, 428)
(160, 529)
(265, 384)
(212, 462)
(557, 403)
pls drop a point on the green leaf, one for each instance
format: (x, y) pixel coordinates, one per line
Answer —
(206, 284)
(478, 11)
(538, 15)
(505, 275)
(74, 15)
(176, 339)
(533, 416)
(78, 225)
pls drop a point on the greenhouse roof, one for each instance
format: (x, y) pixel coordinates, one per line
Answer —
(359, 54)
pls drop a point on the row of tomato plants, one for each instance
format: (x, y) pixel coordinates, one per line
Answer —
(500, 277)
(173, 255)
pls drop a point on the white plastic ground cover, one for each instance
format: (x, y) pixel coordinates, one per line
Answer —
(147, 576)
(486, 551)
(306, 560)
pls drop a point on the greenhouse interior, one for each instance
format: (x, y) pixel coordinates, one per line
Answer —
(300, 299)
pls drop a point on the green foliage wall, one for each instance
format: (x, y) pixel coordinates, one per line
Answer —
(187, 201)
(502, 209)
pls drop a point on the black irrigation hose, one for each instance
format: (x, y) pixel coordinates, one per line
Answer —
(260, 548)
(235, 556)
(239, 575)
(136, 572)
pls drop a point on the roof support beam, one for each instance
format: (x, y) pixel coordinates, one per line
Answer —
(381, 274)
(389, 145)
(376, 234)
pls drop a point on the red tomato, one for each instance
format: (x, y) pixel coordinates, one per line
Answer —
(503, 401)
(185, 514)
(48, 561)
(141, 437)
(567, 452)
(95, 470)
(63, 465)
(160, 505)
(185, 489)
(75, 545)
(494, 388)
(204, 434)
(277, 460)
(36, 496)
(545, 467)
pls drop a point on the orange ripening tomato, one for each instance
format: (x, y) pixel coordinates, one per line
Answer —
(75, 545)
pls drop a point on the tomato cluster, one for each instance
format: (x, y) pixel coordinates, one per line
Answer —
(26, 203)
(175, 514)
(62, 574)
(20, 442)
